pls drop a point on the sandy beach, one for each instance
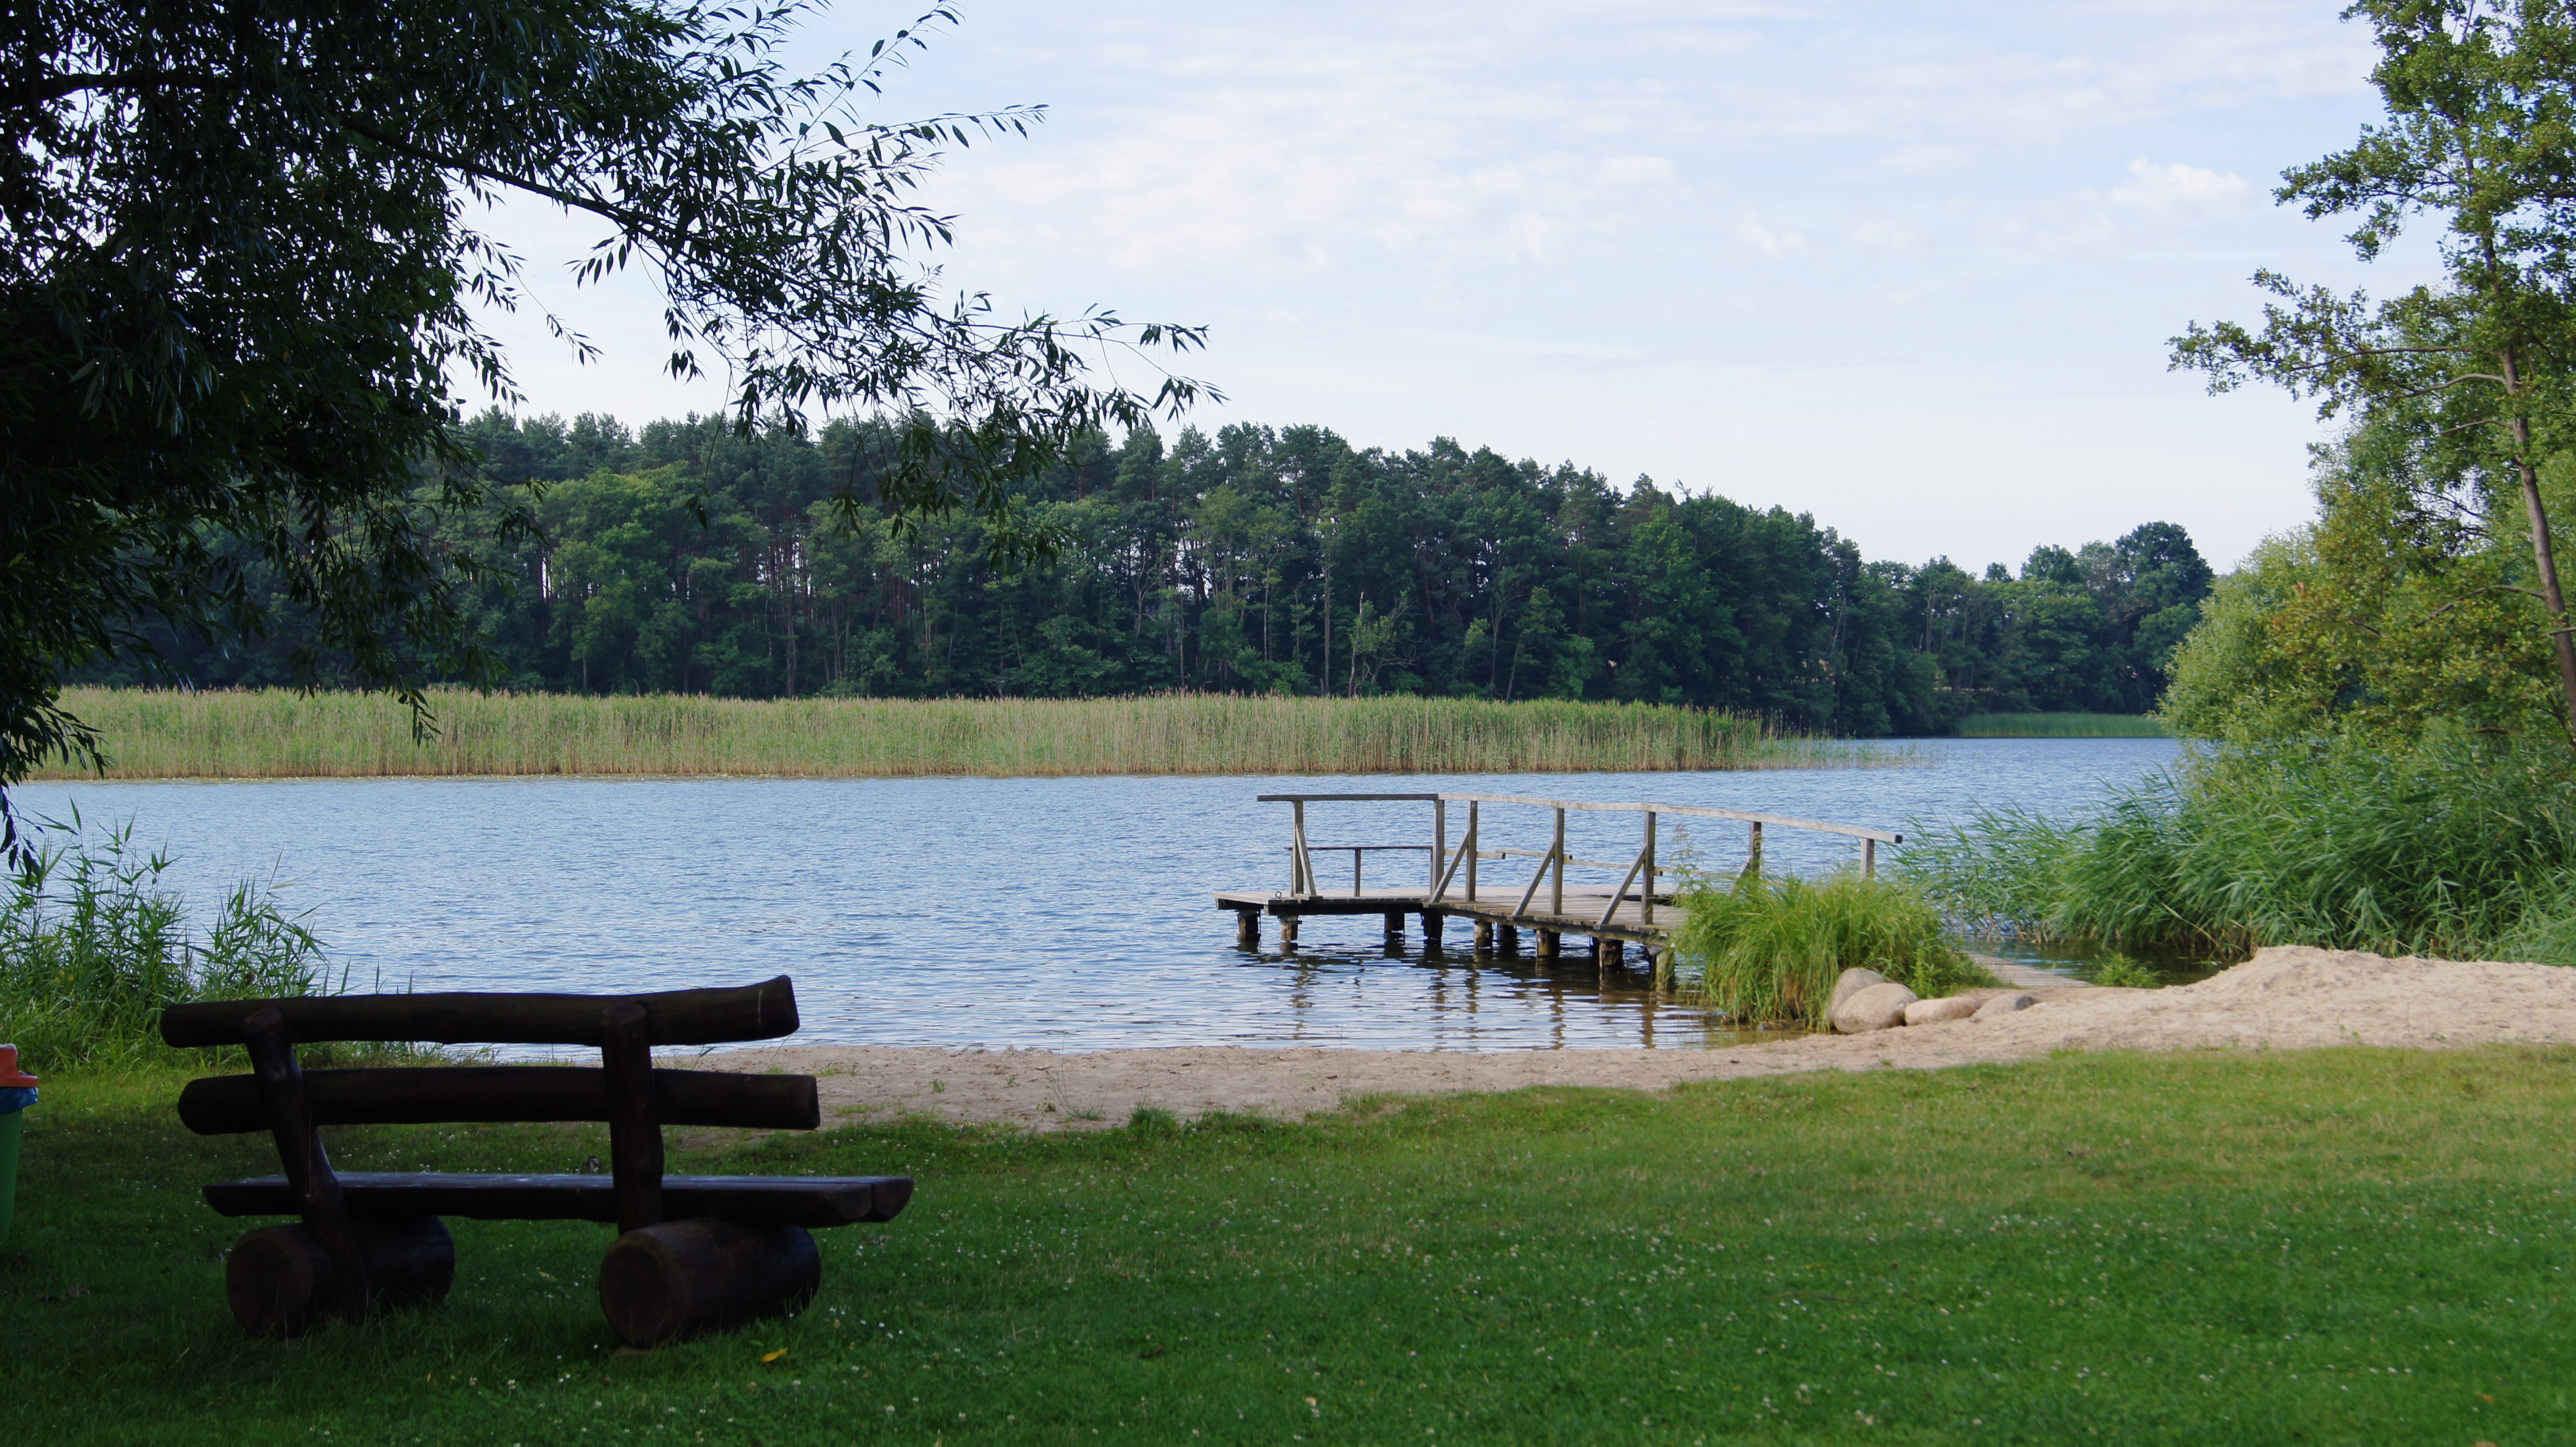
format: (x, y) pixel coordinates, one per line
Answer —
(2285, 998)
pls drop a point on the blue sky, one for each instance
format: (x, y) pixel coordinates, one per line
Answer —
(1910, 268)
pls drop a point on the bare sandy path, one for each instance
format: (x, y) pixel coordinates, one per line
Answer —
(2286, 998)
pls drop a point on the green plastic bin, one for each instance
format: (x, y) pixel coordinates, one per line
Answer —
(17, 1092)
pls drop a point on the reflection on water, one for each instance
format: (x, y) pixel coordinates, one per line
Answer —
(2171, 967)
(1059, 913)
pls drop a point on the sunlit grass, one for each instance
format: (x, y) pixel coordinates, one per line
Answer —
(2211, 1247)
(277, 733)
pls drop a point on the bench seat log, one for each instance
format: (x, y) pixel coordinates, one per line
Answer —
(232, 1104)
(764, 1011)
(811, 1201)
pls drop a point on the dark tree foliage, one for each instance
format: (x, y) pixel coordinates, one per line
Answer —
(689, 557)
(242, 265)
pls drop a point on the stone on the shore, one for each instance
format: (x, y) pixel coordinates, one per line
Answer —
(1935, 1012)
(1874, 1007)
(2001, 1005)
(1849, 983)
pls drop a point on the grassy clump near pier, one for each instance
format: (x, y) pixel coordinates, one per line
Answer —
(2345, 1245)
(2062, 726)
(276, 733)
(1766, 949)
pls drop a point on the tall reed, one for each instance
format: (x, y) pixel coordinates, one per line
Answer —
(2460, 845)
(277, 733)
(1767, 950)
(93, 945)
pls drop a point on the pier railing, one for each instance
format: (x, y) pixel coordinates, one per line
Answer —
(1458, 871)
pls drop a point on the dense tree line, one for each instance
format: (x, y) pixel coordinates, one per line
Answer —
(689, 558)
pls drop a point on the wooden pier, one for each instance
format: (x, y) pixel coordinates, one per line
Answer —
(1637, 910)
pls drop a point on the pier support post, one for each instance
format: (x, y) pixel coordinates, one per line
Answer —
(1247, 929)
(1484, 938)
(1434, 925)
(1507, 941)
(1610, 955)
(1394, 932)
(1549, 942)
(1288, 931)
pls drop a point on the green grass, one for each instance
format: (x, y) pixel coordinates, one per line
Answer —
(1767, 949)
(2062, 726)
(276, 733)
(2348, 1246)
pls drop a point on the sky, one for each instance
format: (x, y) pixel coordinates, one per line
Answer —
(1912, 269)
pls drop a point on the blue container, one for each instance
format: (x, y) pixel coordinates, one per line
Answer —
(14, 1101)
(17, 1092)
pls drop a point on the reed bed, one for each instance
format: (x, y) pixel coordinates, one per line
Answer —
(2063, 726)
(2460, 845)
(278, 733)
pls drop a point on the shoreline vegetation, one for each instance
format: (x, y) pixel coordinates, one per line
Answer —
(278, 733)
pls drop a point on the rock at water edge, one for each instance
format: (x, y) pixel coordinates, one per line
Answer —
(1935, 1012)
(1848, 984)
(1997, 1006)
(1877, 1007)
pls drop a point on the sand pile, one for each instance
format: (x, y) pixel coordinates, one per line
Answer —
(2285, 998)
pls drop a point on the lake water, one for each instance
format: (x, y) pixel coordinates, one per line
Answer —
(1067, 914)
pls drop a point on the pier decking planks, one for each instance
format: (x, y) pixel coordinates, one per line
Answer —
(1582, 914)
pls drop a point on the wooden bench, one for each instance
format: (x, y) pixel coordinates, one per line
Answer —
(693, 1253)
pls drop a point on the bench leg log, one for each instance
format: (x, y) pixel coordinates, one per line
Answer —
(280, 1281)
(661, 1283)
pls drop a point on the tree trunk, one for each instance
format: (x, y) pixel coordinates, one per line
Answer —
(2543, 556)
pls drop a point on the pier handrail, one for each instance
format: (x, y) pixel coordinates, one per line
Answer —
(1445, 867)
(1702, 811)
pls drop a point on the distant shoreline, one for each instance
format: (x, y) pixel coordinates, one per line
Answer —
(279, 734)
(2062, 726)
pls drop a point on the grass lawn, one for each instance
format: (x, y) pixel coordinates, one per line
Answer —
(2331, 1246)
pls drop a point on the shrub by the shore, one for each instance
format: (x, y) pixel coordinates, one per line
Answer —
(277, 733)
(1767, 951)
(93, 945)
(2463, 845)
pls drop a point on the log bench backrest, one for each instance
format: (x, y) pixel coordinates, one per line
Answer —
(626, 1091)
(764, 1011)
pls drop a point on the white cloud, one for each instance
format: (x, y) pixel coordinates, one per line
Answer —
(1767, 240)
(1895, 237)
(1923, 160)
(2177, 192)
